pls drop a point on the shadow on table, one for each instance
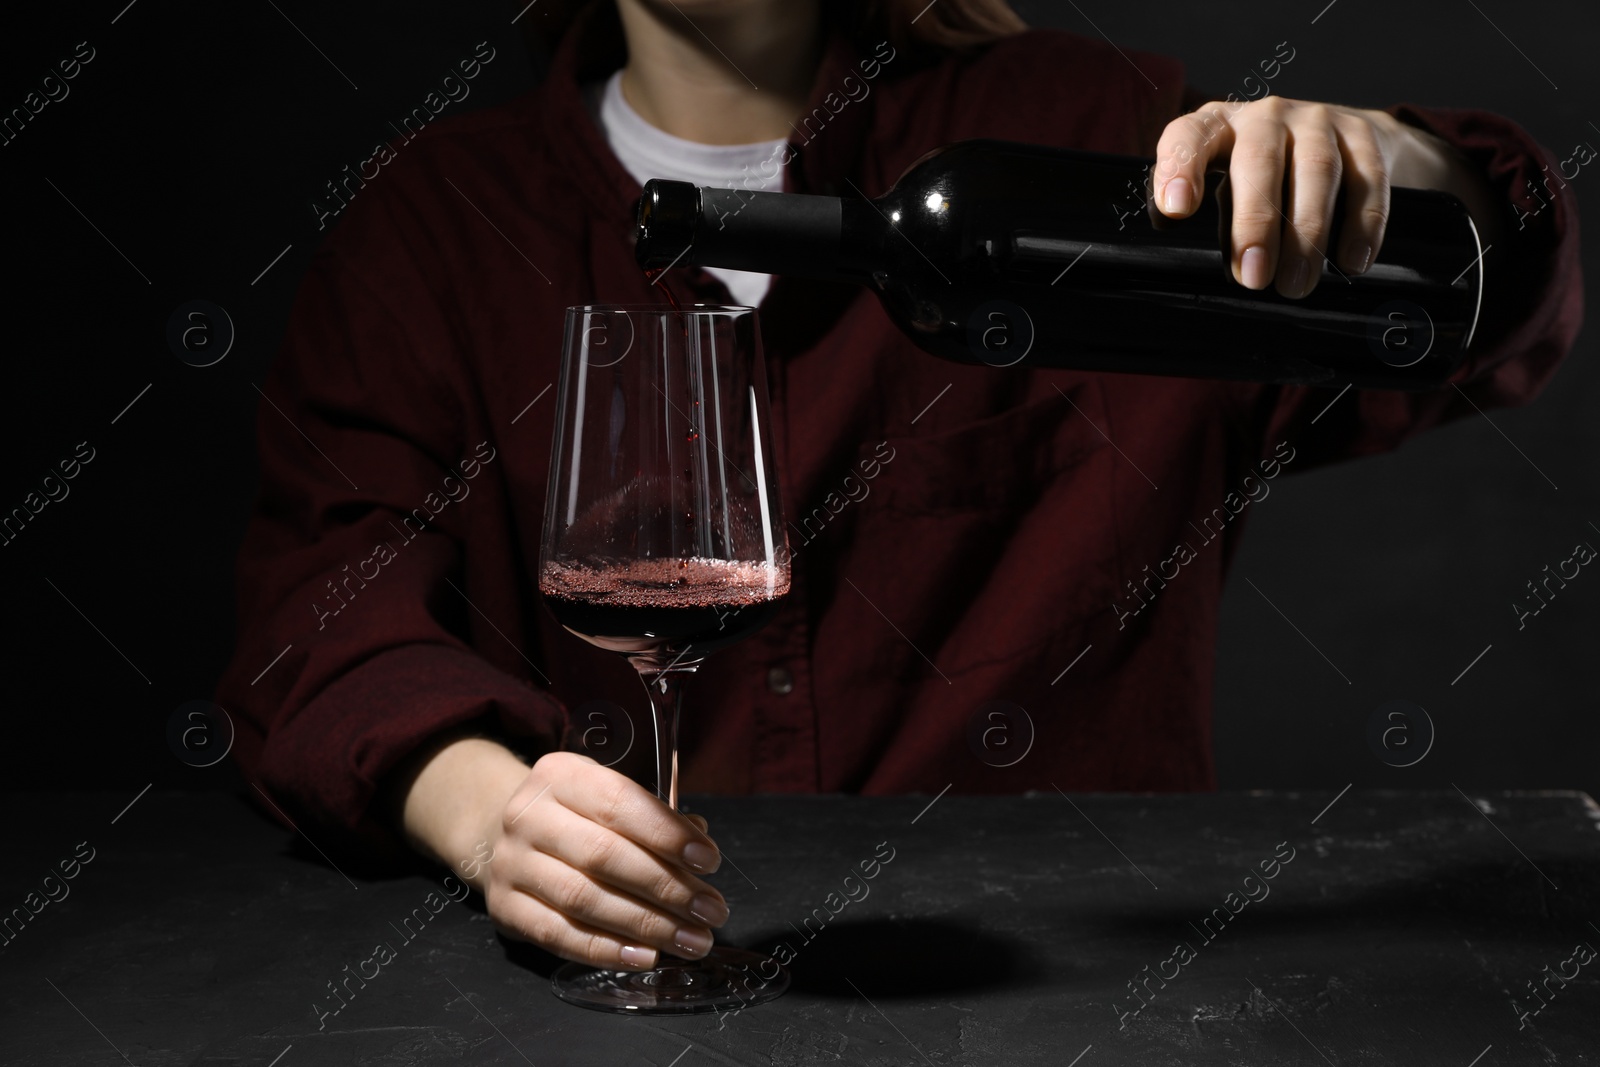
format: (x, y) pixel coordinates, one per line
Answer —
(884, 958)
(889, 958)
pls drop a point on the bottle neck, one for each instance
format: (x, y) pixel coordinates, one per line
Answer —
(793, 234)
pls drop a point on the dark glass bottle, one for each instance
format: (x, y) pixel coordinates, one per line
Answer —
(1001, 253)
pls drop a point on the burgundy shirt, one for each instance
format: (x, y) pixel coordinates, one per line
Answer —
(1001, 539)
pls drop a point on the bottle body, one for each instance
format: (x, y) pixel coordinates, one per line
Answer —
(1011, 254)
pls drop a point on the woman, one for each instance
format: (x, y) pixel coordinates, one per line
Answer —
(992, 537)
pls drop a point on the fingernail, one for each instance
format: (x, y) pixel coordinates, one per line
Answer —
(1297, 285)
(700, 857)
(1179, 196)
(692, 942)
(635, 956)
(1253, 268)
(1365, 258)
(708, 909)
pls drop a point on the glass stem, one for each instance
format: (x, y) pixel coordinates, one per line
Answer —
(665, 688)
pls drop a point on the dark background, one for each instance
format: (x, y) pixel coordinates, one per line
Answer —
(199, 134)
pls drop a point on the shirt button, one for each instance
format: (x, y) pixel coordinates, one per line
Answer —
(780, 681)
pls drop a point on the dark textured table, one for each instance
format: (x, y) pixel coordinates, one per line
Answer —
(1090, 930)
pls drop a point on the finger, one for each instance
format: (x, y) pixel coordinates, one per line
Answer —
(581, 898)
(526, 918)
(1187, 147)
(1255, 171)
(610, 858)
(521, 810)
(616, 801)
(1316, 168)
(1366, 197)
(699, 828)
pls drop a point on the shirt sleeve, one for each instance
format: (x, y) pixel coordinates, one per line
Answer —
(380, 511)
(1531, 314)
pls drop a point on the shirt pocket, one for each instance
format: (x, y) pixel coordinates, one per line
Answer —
(993, 539)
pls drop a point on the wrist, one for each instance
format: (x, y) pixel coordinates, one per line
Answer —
(1418, 159)
(452, 808)
(1421, 159)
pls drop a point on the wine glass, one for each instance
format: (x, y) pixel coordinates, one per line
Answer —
(664, 541)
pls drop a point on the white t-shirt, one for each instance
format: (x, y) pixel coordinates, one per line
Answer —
(647, 152)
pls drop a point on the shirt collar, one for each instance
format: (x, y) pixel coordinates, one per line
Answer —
(824, 158)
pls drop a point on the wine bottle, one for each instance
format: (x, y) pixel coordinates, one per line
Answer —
(1014, 254)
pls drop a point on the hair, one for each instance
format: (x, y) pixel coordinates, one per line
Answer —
(913, 25)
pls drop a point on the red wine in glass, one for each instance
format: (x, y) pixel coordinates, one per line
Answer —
(662, 610)
(664, 542)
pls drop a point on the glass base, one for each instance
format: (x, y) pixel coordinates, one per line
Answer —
(726, 979)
